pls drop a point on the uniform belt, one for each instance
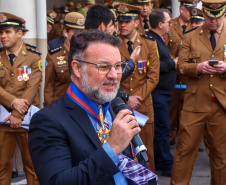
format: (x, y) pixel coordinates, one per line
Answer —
(214, 99)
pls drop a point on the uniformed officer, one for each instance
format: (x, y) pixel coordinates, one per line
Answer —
(57, 77)
(145, 77)
(20, 78)
(57, 28)
(197, 18)
(146, 7)
(51, 15)
(204, 108)
(174, 41)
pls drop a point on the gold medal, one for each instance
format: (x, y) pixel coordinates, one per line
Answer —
(25, 77)
(103, 135)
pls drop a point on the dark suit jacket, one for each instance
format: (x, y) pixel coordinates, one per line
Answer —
(167, 77)
(65, 149)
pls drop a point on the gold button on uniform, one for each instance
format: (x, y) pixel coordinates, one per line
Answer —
(212, 56)
(211, 76)
(211, 85)
(12, 85)
(62, 71)
(131, 78)
(131, 89)
(12, 74)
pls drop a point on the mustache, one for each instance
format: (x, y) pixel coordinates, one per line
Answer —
(110, 81)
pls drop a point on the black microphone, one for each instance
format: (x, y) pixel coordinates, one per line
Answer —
(117, 105)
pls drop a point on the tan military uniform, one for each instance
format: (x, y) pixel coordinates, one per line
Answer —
(204, 109)
(142, 85)
(174, 40)
(11, 87)
(57, 77)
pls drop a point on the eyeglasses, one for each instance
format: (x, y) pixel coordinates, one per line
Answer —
(105, 68)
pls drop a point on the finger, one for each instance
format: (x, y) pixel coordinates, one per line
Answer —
(27, 102)
(123, 113)
(6, 119)
(128, 118)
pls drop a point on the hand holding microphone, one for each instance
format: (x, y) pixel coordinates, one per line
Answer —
(125, 128)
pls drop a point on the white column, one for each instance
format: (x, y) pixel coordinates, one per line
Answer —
(175, 8)
(41, 40)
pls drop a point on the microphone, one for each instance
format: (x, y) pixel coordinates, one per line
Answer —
(117, 105)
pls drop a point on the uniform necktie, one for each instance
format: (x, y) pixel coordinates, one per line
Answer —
(11, 57)
(130, 49)
(135, 171)
(146, 26)
(213, 39)
(184, 28)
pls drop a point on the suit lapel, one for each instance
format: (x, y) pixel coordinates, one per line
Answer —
(221, 41)
(5, 60)
(81, 118)
(21, 57)
(204, 35)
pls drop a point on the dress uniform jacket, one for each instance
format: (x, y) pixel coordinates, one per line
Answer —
(175, 37)
(142, 85)
(57, 77)
(197, 48)
(11, 87)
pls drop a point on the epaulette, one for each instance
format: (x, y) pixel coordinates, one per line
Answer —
(31, 46)
(52, 51)
(190, 30)
(33, 51)
(147, 37)
(56, 43)
(1, 48)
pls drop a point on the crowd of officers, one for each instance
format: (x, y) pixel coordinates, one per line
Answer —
(198, 98)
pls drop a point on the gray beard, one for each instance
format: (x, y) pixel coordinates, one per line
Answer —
(96, 93)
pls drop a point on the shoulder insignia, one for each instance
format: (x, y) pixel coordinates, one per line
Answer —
(33, 51)
(52, 51)
(31, 46)
(1, 48)
(190, 30)
(147, 37)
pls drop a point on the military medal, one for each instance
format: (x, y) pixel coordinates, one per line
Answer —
(145, 66)
(25, 73)
(140, 67)
(19, 72)
(103, 133)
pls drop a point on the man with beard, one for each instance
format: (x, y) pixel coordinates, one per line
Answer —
(143, 80)
(69, 140)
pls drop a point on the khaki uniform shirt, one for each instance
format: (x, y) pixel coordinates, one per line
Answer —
(13, 84)
(201, 88)
(142, 84)
(57, 77)
(174, 38)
